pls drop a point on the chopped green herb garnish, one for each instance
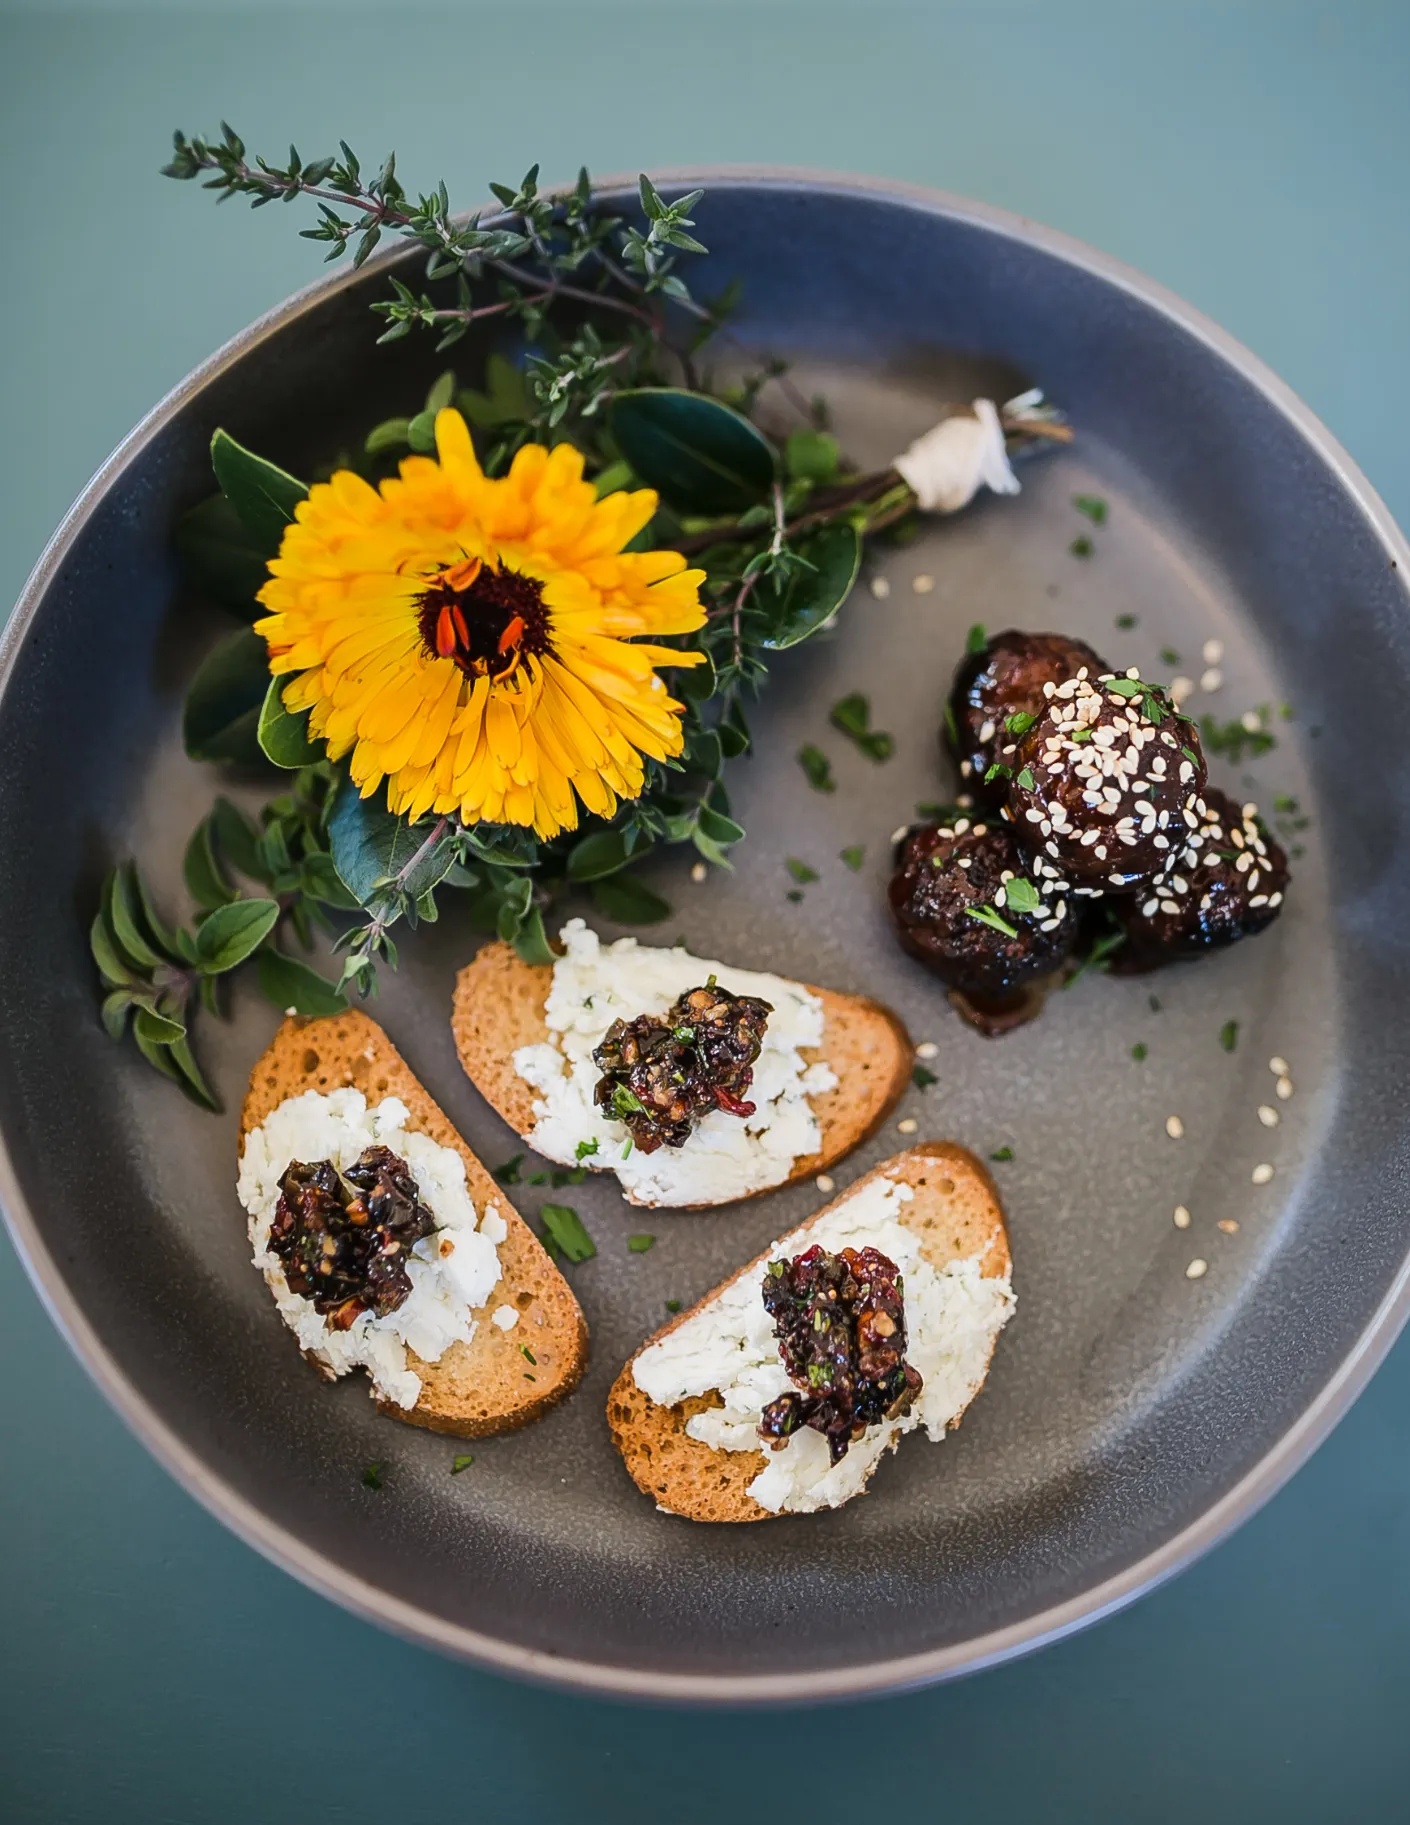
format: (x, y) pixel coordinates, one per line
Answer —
(638, 1245)
(1168, 656)
(1285, 710)
(1284, 803)
(817, 767)
(567, 1175)
(851, 714)
(625, 1102)
(1154, 1001)
(1234, 739)
(976, 639)
(627, 1151)
(1189, 754)
(923, 1078)
(1081, 546)
(930, 810)
(1093, 506)
(1027, 781)
(372, 1477)
(673, 1305)
(461, 1461)
(987, 916)
(1124, 687)
(1001, 1154)
(1127, 622)
(1229, 1035)
(801, 871)
(1021, 896)
(1020, 722)
(854, 855)
(564, 1232)
(951, 726)
(528, 1354)
(1138, 1051)
(586, 1149)
(1097, 956)
(998, 771)
(508, 1173)
(795, 894)
(1081, 735)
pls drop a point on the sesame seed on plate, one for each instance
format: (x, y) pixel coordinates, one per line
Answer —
(1211, 678)
(1228, 1225)
(923, 584)
(1278, 1066)
(1197, 1269)
(1251, 721)
(1213, 652)
(1181, 688)
(880, 588)
(824, 1182)
(927, 1049)
(1268, 1115)
(909, 1126)
(898, 833)
(1284, 1088)
(1174, 1127)
(1262, 1174)
(1182, 1217)
(699, 872)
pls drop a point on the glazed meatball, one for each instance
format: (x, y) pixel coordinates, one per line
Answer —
(966, 904)
(1106, 782)
(1226, 883)
(1004, 680)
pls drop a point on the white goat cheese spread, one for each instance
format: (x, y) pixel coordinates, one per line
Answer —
(726, 1156)
(453, 1271)
(729, 1348)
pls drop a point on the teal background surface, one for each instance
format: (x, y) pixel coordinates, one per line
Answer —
(1252, 157)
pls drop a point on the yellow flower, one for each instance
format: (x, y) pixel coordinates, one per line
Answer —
(473, 641)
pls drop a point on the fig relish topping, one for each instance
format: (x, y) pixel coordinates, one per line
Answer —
(661, 1073)
(343, 1238)
(841, 1329)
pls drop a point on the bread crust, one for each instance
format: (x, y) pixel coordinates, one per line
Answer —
(499, 1006)
(487, 1385)
(958, 1213)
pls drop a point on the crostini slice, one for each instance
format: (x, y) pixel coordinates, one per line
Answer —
(958, 1295)
(835, 1092)
(529, 1343)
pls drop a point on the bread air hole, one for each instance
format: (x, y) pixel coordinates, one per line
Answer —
(311, 1062)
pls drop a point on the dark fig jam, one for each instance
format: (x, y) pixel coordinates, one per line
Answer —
(841, 1328)
(343, 1238)
(661, 1073)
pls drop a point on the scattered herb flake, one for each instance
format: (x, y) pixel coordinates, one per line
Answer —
(1235, 739)
(638, 1245)
(1026, 780)
(372, 1477)
(1168, 656)
(461, 1461)
(1020, 722)
(1097, 956)
(1229, 1035)
(854, 856)
(1082, 734)
(1127, 622)
(987, 916)
(673, 1305)
(528, 1354)
(817, 767)
(564, 1231)
(1286, 712)
(1081, 546)
(923, 1078)
(585, 1149)
(1138, 1052)
(1284, 802)
(1001, 1154)
(627, 1151)
(508, 1173)
(539, 1178)
(998, 771)
(1021, 896)
(976, 639)
(951, 726)
(1154, 1001)
(1093, 506)
(851, 714)
(1124, 687)
(801, 871)
(795, 894)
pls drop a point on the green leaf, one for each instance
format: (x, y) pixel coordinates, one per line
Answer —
(598, 855)
(923, 1077)
(205, 880)
(695, 683)
(854, 856)
(156, 1027)
(237, 838)
(563, 1229)
(1021, 896)
(800, 871)
(391, 434)
(158, 1056)
(289, 983)
(1093, 506)
(817, 767)
(283, 734)
(115, 1008)
(719, 828)
(222, 711)
(531, 943)
(508, 1173)
(851, 714)
(321, 881)
(111, 967)
(369, 847)
(231, 932)
(976, 639)
(987, 916)
(629, 901)
(263, 495)
(811, 456)
(442, 391)
(814, 596)
(505, 399)
(638, 1245)
(124, 919)
(219, 557)
(461, 1461)
(700, 456)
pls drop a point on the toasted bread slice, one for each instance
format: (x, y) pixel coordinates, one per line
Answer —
(499, 1006)
(957, 1213)
(486, 1385)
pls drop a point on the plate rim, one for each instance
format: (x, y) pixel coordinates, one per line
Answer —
(319, 1573)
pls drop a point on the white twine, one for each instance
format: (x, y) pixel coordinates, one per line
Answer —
(947, 467)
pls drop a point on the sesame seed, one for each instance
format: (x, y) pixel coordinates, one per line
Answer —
(880, 588)
(1251, 721)
(927, 1049)
(1228, 1225)
(1174, 1127)
(1213, 652)
(1182, 1217)
(1262, 1174)
(923, 584)
(964, 801)
(1211, 678)
(896, 835)
(1197, 1269)
(909, 1126)
(1180, 688)
(1284, 1088)
(1267, 1115)
(699, 872)
(1278, 1066)
(824, 1183)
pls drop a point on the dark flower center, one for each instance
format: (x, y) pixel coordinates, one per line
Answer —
(485, 620)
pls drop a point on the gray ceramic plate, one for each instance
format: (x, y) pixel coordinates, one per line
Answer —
(1132, 1415)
